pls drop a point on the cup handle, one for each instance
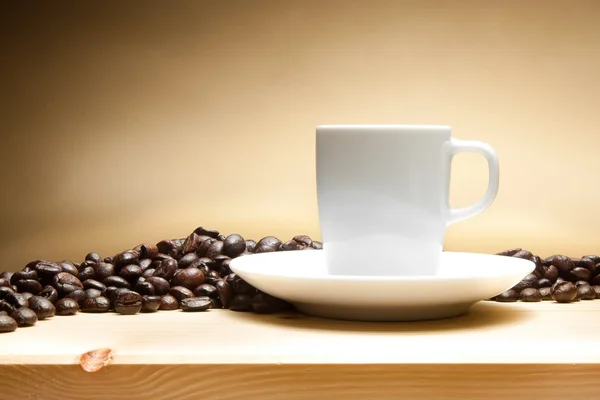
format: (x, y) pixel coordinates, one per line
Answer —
(457, 146)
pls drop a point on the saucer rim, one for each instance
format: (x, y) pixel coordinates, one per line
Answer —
(526, 266)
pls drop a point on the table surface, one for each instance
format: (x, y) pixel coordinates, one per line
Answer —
(494, 342)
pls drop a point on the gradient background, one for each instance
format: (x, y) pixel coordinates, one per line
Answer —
(131, 122)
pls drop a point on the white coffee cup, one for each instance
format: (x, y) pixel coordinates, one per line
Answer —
(383, 196)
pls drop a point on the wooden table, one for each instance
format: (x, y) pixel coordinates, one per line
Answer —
(498, 351)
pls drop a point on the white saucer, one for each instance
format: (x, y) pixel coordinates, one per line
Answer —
(301, 278)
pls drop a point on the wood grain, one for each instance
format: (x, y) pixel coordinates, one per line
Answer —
(540, 350)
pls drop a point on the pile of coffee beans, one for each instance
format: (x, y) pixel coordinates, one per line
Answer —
(190, 274)
(559, 278)
(193, 275)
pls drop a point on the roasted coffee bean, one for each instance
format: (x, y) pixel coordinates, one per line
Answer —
(4, 282)
(529, 281)
(69, 268)
(530, 295)
(150, 303)
(525, 254)
(180, 292)
(148, 250)
(597, 290)
(579, 273)
(117, 281)
(241, 302)
(98, 304)
(78, 295)
(209, 263)
(24, 317)
(131, 272)
(104, 270)
(167, 269)
(316, 245)
(168, 302)
(595, 281)
(594, 258)
(87, 273)
(267, 244)
(161, 286)
(17, 300)
(7, 324)
(550, 273)
(291, 245)
(191, 244)
(42, 307)
(215, 249)
(145, 263)
(169, 247)
(29, 285)
(196, 304)
(564, 265)
(233, 245)
(66, 306)
(564, 292)
(219, 260)
(6, 275)
(212, 278)
(148, 273)
(47, 270)
(50, 293)
(204, 246)
(225, 294)
(240, 286)
(92, 293)
(23, 275)
(116, 293)
(585, 292)
(587, 264)
(27, 295)
(65, 283)
(206, 290)
(206, 232)
(544, 283)
(144, 288)
(546, 293)
(263, 303)
(6, 307)
(128, 303)
(221, 237)
(4, 290)
(509, 252)
(94, 284)
(579, 283)
(187, 260)
(304, 239)
(190, 278)
(108, 260)
(126, 258)
(250, 245)
(95, 257)
(508, 296)
(224, 268)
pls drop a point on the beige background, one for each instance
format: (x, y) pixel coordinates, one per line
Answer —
(127, 123)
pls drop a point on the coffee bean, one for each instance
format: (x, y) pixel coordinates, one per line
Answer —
(4, 290)
(67, 306)
(196, 304)
(167, 269)
(108, 260)
(597, 290)
(550, 273)
(587, 264)
(546, 293)
(250, 245)
(580, 283)
(92, 293)
(104, 270)
(509, 252)
(180, 292)
(579, 273)
(144, 288)
(95, 257)
(148, 250)
(234, 245)
(161, 286)
(525, 254)
(206, 290)
(204, 246)
(145, 263)
(98, 304)
(24, 317)
(190, 278)
(116, 281)
(595, 280)
(241, 302)
(168, 303)
(594, 258)
(215, 249)
(564, 265)
(191, 244)
(65, 283)
(267, 244)
(544, 283)
(240, 286)
(6, 275)
(131, 272)
(42, 307)
(17, 300)
(291, 245)
(78, 295)
(150, 303)
(148, 273)
(6, 307)
(187, 260)
(206, 232)
(508, 296)
(128, 303)
(264, 303)
(7, 324)
(169, 247)
(29, 285)
(530, 295)
(94, 284)
(585, 292)
(126, 258)
(212, 277)
(47, 270)
(564, 292)
(224, 268)
(69, 268)
(50, 293)
(4, 282)
(225, 294)
(27, 295)
(316, 245)
(87, 273)
(23, 275)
